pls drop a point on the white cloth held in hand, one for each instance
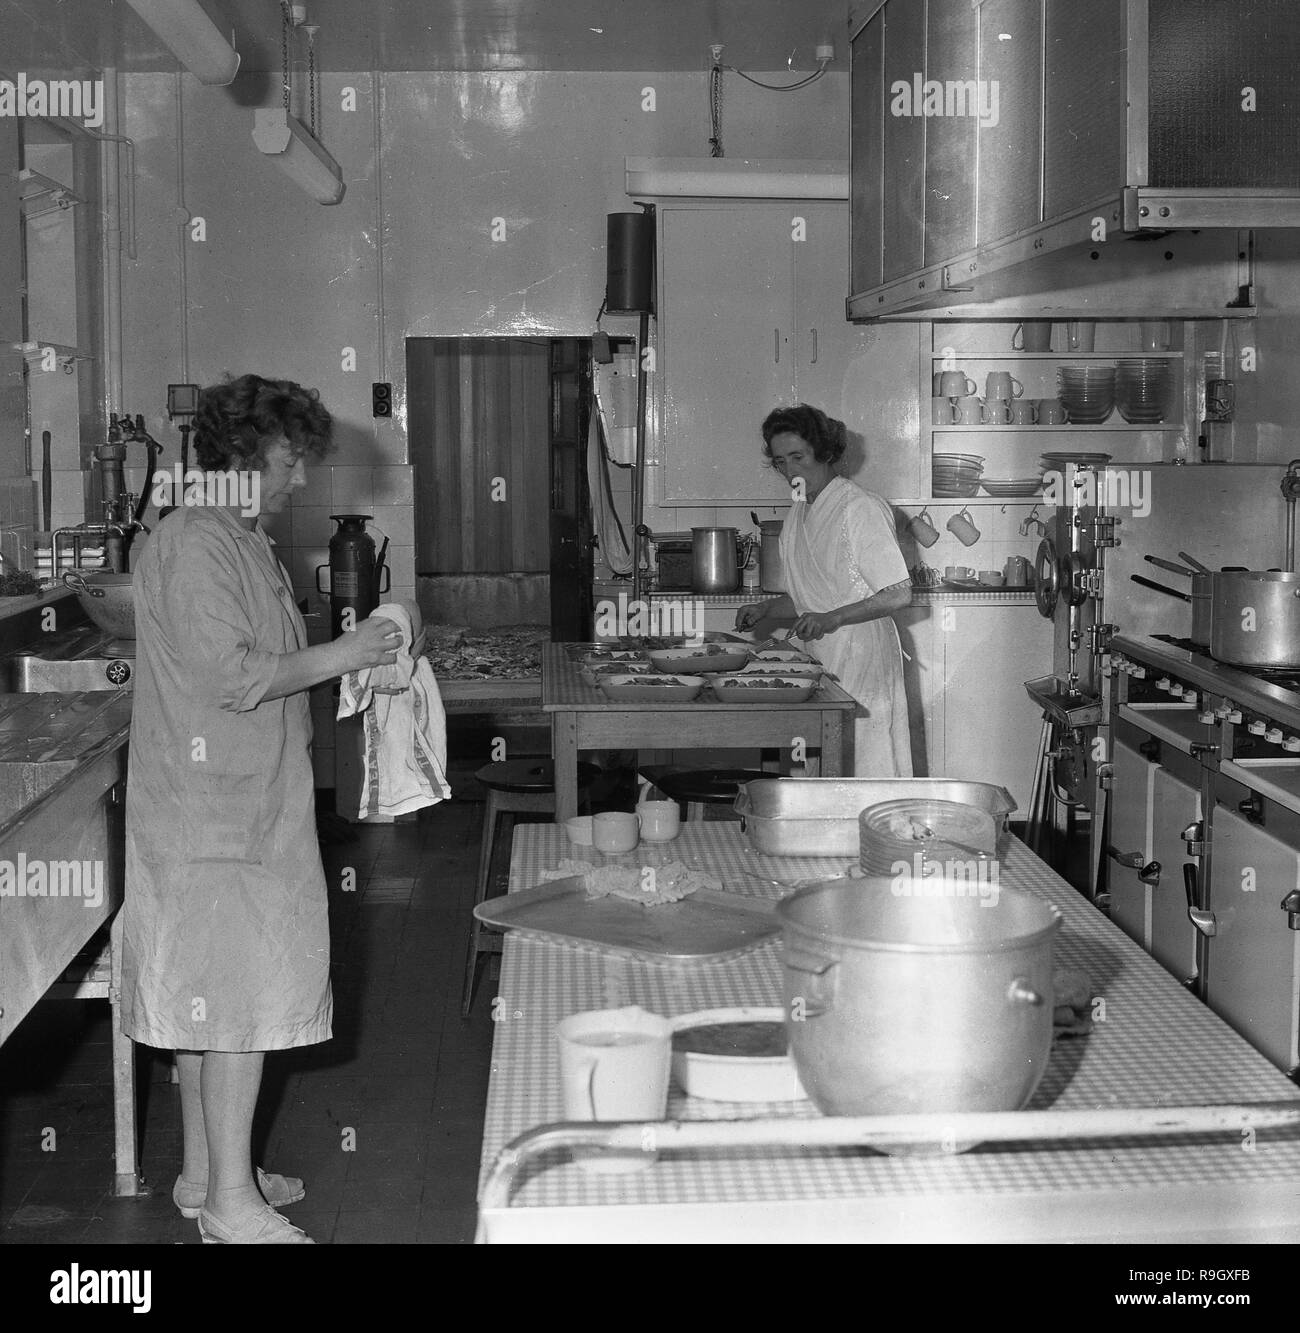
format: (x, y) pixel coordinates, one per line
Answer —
(405, 727)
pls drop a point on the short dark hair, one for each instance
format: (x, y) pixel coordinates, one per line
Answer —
(824, 434)
(236, 418)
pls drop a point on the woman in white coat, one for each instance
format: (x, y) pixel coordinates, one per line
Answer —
(845, 578)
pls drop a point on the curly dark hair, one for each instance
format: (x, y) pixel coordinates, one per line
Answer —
(238, 418)
(813, 427)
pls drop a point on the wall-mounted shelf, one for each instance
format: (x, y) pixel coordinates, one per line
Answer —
(987, 426)
(1058, 356)
(40, 194)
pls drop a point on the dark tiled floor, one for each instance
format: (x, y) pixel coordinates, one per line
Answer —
(404, 1080)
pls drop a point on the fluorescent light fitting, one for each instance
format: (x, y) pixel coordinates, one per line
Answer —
(298, 154)
(736, 178)
(192, 37)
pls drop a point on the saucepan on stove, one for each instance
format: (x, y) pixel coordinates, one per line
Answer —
(1255, 618)
(1199, 594)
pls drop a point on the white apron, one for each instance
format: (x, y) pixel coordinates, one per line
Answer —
(835, 551)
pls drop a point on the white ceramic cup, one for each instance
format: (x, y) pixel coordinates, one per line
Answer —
(1051, 412)
(956, 384)
(1035, 336)
(970, 410)
(580, 830)
(951, 572)
(992, 578)
(941, 411)
(1022, 413)
(660, 821)
(1080, 335)
(923, 530)
(962, 527)
(998, 410)
(1001, 385)
(614, 831)
(614, 1065)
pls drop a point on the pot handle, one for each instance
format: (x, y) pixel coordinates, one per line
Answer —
(1021, 992)
(74, 580)
(819, 993)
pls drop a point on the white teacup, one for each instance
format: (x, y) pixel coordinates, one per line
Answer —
(970, 410)
(614, 831)
(614, 1065)
(661, 821)
(580, 830)
(1002, 384)
(956, 384)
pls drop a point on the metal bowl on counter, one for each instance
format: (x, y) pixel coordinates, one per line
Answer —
(933, 996)
(703, 660)
(106, 599)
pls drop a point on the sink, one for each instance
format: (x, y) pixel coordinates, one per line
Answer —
(72, 661)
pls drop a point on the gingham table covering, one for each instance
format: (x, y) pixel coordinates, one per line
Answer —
(1157, 1047)
(563, 688)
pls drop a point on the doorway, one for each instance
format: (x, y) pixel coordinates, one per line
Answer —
(498, 431)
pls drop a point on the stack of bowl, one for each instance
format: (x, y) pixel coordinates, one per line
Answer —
(1142, 389)
(1088, 393)
(956, 475)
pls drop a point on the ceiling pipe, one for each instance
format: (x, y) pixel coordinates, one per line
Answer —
(192, 37)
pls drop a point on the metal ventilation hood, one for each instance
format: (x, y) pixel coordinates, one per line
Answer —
(1087, 129)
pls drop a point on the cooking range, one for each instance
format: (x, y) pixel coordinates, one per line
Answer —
(1204, 829)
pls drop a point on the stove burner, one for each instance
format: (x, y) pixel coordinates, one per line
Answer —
(1286, 678)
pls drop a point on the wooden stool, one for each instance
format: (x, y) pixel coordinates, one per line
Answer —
(696, 788)
(514, 786)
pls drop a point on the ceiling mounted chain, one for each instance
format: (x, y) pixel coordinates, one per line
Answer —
(284, 55)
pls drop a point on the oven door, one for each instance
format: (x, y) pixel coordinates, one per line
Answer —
(1252, 973)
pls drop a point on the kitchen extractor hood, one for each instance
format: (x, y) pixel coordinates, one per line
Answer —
(1001, 150)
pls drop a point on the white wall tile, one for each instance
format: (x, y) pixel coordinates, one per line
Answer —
(392, 485)
(352, 487)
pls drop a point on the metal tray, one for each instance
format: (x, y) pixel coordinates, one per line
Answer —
(706, 926)
(819, 816)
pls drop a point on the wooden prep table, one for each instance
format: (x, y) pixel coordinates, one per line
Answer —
(1157, 1047)
(582, 718)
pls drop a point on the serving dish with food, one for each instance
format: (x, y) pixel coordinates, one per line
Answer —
(649, 688)
(744, 688)
(735, 1055)
(704, 659)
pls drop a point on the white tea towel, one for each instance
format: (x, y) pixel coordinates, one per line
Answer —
(405, 728)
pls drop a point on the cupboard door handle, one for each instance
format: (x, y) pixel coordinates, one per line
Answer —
(813, 362)
(776, 346)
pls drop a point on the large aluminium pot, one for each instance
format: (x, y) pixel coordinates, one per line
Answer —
(714, 565)
(1255, 618)
(1202, 599)
(907, 996)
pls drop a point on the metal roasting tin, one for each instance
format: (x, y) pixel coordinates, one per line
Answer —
(819, 816)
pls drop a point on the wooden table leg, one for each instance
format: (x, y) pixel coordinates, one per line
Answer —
(831, 764)
(564, 750)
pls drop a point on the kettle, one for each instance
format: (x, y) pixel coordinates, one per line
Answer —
(772, 578)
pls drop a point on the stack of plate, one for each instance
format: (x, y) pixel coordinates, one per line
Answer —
(1142, 389)
(956, 475)
(1007, 487)
(898, 836)
(1088, 393)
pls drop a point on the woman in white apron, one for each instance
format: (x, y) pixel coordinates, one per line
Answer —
(845, 577)
(225, 922)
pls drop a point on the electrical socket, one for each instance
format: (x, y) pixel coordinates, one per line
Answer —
(826, 51)
(715, 53)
